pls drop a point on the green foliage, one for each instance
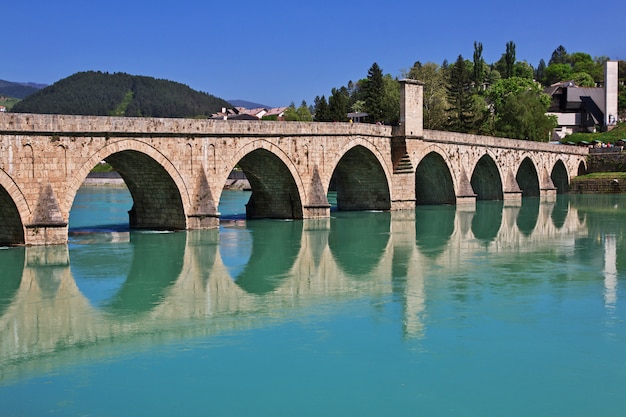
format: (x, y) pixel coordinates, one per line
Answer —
(478, 76)
(523, 116)
(321, 110)
(374, 94)
(102, 94)
(557, 72)
(102, 168)
(461, 110)
(523, 70)
(300, 114)
(120, 109)
(391, 100)
(304, 113)
(509, 59)
(471, 96)
(519, 108)
(435, 93)
(338, 104)
(559, 56)
(583, 79)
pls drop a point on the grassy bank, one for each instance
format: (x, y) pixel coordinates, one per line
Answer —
(612, 136)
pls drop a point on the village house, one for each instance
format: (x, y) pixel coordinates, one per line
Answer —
(242, 113)
(579, 109)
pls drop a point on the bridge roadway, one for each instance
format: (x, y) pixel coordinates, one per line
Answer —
(175, 169)
(47, 322)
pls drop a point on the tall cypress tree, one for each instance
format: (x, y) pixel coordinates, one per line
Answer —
(509, 59)
(478, 65)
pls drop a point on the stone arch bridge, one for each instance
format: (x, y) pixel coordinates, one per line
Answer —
(175, 169)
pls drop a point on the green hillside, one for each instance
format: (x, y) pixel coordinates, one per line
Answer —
(119, 94)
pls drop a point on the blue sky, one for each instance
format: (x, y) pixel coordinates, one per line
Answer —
(278, 52)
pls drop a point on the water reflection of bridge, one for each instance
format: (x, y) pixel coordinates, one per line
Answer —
(45, 319)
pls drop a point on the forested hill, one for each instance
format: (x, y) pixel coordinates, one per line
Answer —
(103, 94)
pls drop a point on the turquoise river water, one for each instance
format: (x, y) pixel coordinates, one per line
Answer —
(493, 310)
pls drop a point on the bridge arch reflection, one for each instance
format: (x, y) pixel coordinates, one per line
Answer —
(384, 253)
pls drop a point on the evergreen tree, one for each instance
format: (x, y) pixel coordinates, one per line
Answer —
(460, 98)
(559, 56)
(338, 104)
(540, 73)
(374, 93)
(321, 110)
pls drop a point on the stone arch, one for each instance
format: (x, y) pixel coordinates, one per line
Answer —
(277, 188)
(160, 194)
(582, 168)
(527, 178)
(486, 179)
(560, 177)
(433, 180)
(361, 178)
(14, 212)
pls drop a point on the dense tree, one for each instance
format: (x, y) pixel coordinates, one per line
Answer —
(304, 113)
(391, 100)
(540, 72)
(557, 72)
(559, 56)
(291, 114)
(321, 110)
(435, 99)
(583, 79)
(374, 94)
(519, 106)
(523, 69)
(523, 116)
(338, 104)
(461, 110)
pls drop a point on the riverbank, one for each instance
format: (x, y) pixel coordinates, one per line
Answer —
(599, 183)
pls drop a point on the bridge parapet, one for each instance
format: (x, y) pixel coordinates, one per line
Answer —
(71, 125)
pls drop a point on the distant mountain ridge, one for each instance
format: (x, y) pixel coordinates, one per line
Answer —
(18, 90)
(98, 93)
